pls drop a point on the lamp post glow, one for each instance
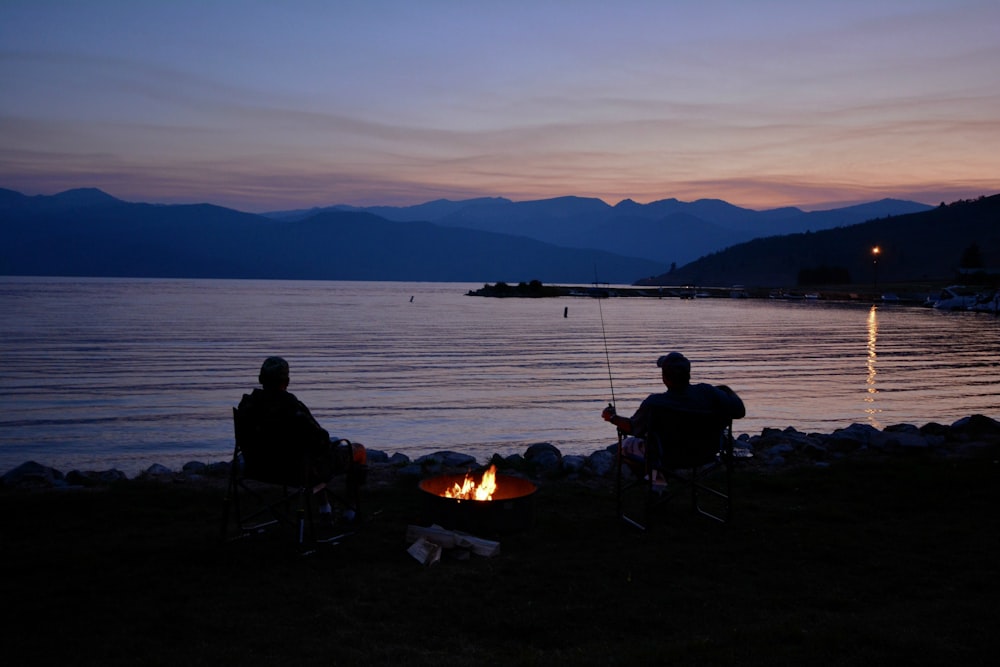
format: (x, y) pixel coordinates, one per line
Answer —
(875, 253)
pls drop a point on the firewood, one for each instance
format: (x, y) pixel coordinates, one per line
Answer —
(425, 551)
(450, 539)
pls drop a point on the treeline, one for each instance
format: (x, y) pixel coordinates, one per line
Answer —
(948, 243)
(534, 288)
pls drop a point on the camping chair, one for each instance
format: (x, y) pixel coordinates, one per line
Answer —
(684, 451)
(271, 485)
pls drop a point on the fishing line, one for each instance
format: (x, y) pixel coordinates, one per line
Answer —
(611, 381)
(604, 335)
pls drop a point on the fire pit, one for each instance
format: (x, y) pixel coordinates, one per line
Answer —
(495, 504)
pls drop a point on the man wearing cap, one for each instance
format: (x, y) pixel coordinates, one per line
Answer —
(286, 419)
(680, 394)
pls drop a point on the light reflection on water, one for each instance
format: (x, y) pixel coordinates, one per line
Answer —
(126, 373)
(872, 410)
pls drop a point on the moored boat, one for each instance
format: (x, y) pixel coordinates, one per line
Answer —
(987, 303)
(955, 297)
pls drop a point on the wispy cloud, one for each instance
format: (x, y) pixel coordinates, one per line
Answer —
(772, 103)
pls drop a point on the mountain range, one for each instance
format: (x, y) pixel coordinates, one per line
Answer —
(87, 232)
(667, 231)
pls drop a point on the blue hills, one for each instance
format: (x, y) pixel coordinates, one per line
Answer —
(668, 231)
(87, 232)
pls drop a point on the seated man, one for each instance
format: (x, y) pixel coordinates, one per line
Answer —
(719, 401)
(272, 415)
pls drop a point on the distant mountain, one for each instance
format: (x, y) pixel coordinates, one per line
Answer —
(668, 231)
(90, 233)
(68, 200)
(432, 210)
(925, 246)
(87, 232)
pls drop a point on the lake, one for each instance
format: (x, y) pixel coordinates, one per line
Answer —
(125, 373)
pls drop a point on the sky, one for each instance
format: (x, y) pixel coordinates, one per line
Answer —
(264, 106)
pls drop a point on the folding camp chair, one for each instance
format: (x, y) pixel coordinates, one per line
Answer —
(684, 451)
(271, 485)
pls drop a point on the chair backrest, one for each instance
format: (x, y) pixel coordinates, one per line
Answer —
(683, 438)
(270, 450)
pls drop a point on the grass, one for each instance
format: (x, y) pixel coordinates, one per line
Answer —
(858, 564)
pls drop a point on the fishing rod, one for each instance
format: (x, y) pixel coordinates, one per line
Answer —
(604, 335)
(611, 405)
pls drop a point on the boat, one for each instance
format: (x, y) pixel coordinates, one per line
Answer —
(955, 297)
(987, 303)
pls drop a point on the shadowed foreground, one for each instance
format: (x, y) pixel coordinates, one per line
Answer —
(860, 563)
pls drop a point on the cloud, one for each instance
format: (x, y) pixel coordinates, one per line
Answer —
(286, 107)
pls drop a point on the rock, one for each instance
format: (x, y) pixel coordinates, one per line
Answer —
(973, 437)
(438, 460)
(80, 478)
(905, 442)
(33, 475)
(933, 428)
(813, 450)
(218, 469)
(411, 471)
(863, 435)
(377, 456)
(543, 457)
(574, 463)
(515, 461)
(602, 463)
(977, 426)
(776, 455)
(901, 428)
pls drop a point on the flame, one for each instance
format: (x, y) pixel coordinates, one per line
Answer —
(469, 490)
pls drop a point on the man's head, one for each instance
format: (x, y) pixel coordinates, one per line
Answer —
(274, 373)
(676, 369)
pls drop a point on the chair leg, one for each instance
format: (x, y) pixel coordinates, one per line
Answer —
(700, 489)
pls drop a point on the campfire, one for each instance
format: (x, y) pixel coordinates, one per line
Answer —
(470, 490)
(482, 502)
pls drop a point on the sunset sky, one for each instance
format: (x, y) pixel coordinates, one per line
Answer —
(274, 105)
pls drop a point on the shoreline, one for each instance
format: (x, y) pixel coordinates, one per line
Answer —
(974, 437)
(920, 295)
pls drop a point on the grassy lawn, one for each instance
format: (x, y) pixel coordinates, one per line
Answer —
(862, 563)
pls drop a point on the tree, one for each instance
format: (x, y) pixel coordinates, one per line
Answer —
(972, 258)
(824, 275)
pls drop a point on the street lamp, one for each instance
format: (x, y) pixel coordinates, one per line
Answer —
(875, 253)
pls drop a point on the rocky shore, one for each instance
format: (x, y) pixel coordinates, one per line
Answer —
(975, 437)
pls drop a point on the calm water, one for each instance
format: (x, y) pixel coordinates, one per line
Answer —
(126, 373)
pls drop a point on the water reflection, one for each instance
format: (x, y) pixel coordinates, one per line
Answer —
(871, 410)
(446, 371)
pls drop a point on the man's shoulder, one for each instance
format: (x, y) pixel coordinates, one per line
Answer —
(261, 398)
(661, 398)
(249, 400)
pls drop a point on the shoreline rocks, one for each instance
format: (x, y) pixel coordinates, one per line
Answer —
(975, 437)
